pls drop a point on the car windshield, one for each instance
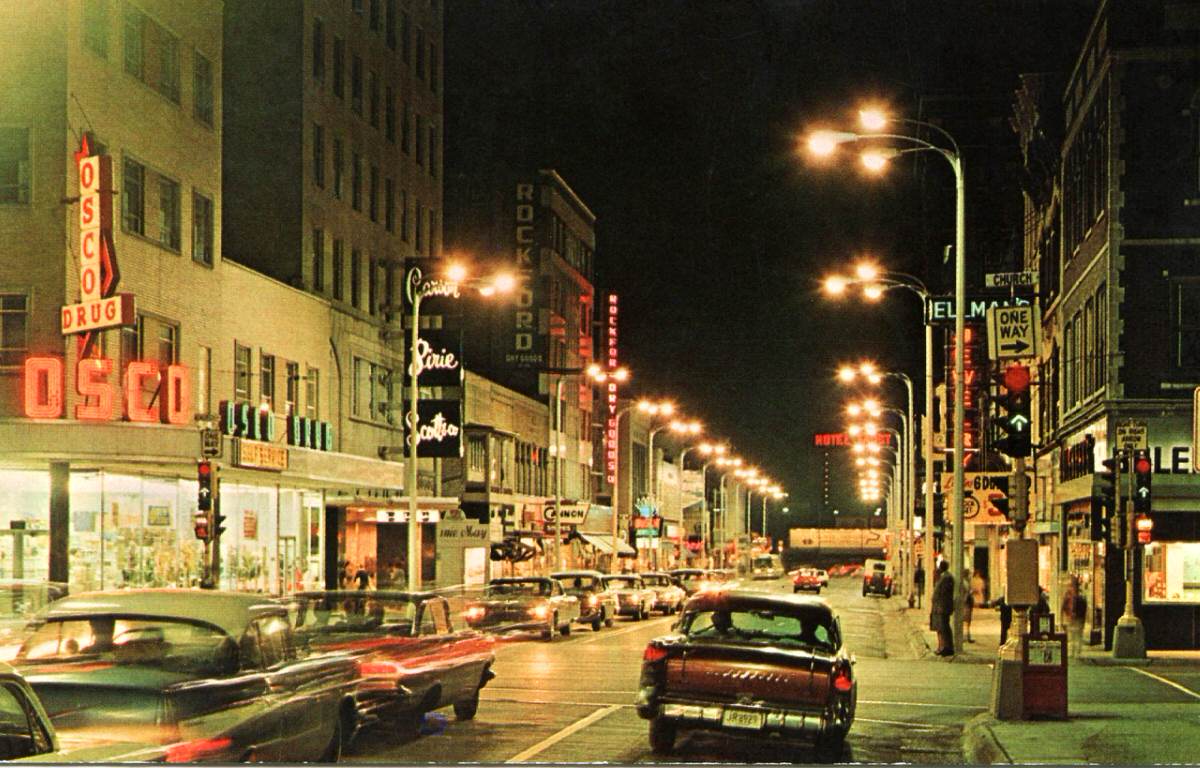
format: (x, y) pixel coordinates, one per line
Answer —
(808, 628)
(518, 588)
(763, 562)
(624, 582)
(577, 584)
(159, 642)
(353, 613)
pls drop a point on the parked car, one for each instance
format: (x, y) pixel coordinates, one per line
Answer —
(877, 578)
(823, 575)
(411, 657)
(211, 676)
(766, 566)
(750, 663)
(689, 579)
(20, 601)
(806, 579)
(668, 596)
(597, 604)
(524, 603)
(634, 598)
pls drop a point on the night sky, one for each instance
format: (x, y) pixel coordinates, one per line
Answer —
(677, 123)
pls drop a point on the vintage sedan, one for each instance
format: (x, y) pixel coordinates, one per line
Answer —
(208, 676)
(806, 579)
(411, 658)
(750, 663)
(518, 603)
(597, 604)
(668, 596)
(689, 579)
(634, 598)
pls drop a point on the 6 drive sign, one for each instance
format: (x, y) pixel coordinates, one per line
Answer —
(981, 492)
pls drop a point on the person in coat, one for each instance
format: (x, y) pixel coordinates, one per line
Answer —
(942, 608)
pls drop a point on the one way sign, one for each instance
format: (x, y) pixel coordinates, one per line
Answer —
(1013, 331)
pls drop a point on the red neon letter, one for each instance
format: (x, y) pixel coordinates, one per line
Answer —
(91, 380)
(174, 406)
(134, 374)
(43, 401)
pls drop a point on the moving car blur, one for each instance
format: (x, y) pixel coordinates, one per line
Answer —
(521, 603)
(597, 603)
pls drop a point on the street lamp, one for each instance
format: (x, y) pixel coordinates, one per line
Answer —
(715, 451)
(416, 288)
(826, 142)
(731, 465)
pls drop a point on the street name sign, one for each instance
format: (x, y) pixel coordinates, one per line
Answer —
(1013, 332)
(1011, 280)
(1132, 436)
(940, 309)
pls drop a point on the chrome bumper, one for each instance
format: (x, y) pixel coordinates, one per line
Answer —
(707, 715)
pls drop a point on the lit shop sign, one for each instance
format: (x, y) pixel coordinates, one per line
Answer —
(529, 343)
(612, 425)
(244, 420)
(439, 429)
(100, 306)
(974, 365)
(1078, 460)
(150, 393)
(843, 440)
(647, 527)
(253, 454)
(439, 359)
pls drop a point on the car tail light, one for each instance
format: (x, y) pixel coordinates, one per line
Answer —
(842, 680)
(196, 750)
(378, 668)
(654, 653)
(593, 601)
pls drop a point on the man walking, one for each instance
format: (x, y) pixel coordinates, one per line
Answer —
(942, 607)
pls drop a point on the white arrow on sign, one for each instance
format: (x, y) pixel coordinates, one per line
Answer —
(1019, 421)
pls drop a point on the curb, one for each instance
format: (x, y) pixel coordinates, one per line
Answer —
(979, 743)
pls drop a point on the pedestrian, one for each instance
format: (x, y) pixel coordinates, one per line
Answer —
(919, 584)
(1074, 612)
(968, 603)
(1005, 616)
(943, 606)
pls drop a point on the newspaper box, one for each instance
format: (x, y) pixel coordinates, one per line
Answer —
(1044, 672)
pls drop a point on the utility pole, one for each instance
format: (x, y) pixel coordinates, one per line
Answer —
(1129, 642)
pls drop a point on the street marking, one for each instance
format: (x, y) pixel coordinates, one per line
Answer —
(905, 723)
(1164, 680)
(550, 741)
(920, 704)
(605, 635)
(504, 700)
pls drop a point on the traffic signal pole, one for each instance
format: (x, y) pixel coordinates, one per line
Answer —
(1130, 639)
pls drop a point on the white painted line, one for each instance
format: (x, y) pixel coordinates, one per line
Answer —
(550, 741)
(920, 704)
(1165, 681)
(623, 630)
(905, 723)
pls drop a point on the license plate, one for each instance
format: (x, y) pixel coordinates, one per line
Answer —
(735, 718)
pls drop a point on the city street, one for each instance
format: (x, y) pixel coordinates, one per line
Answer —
(572, 701)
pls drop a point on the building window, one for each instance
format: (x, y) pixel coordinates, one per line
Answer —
(420, 140)
(356, 179)
(355, 277)
(339, 64)
(204, 381)
(202, 229)
(431, 235)
(433, 150)
(14, 329)
(318, 262)
(389, 114)
(356, 85)
(389, 206)
(202, 82)
(318, 155)
(241, 372)
(151, 54)
(373, 189)
(337, 168)
(168, 210)
(420, 45)
(404, 215)
(339, 270)
(389, 23)
(291, 388)
(266, 379)
(406, 38)
(312, 390)
(133, 197)
(406, 128)
(1101, 338)
(373, 16)
(318, 50)
(420, 216)
(1185, 294)
(14, 166)
(130, 342)
(433, 67)
(95, 26)
(372, 304)
(360, 387)
(373, 93)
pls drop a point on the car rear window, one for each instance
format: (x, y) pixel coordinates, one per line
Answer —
(809, 628)
(179, 646)
(518, 588)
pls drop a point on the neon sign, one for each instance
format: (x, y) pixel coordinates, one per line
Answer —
(170, 388)
(244, 420)
(611, 428)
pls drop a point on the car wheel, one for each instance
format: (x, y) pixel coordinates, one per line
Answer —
(548, 632)
(598, 622)
(662, 736)
(795, 590)
(333, 752)
(566, 629)
(830, 747)
(817, 590)
(608, 620)
(466, 709)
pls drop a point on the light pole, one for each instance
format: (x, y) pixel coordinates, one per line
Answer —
(904, 464)
(638, 405)
(731, 465)
(416, 288)
(716, 451)
(825, 143)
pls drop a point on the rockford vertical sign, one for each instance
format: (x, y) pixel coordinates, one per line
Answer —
(611, 444)
(529, 341)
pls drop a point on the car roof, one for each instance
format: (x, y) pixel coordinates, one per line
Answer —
(375, 594)
(518, 579)
(232, 612)
(728, 598)
(567, 574)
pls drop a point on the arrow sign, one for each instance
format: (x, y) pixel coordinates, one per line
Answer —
(1143, 492)
(1016, 347)
(1019, 422)
(1013, 331)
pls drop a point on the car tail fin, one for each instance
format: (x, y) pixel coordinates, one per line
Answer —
(197, 749)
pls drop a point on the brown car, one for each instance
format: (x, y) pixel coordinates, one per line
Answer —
(751, 663)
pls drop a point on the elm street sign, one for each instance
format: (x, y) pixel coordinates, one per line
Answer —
(940, 309)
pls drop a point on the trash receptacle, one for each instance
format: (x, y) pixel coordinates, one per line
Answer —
(1044, 674)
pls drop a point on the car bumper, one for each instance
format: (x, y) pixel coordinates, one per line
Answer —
(790, 721)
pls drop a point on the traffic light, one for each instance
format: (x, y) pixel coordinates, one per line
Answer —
(1104, 482)
(204, 474)
(1143, 470)
(1013, 417)
(203, 526)
(1145, 528)
(218, 526)
(1101, 521)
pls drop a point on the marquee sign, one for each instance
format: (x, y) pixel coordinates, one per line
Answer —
(612, 423)
(974, 378)
(168, 401)
(439, 359)
(439, 429)
(100, 306)
(843, 440)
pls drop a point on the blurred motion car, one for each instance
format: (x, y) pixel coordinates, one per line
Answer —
(718, 579)
(766, 566)
(634, 598)
(823, 575)
(750, 663)
(877, 578)
(208, 676)
(411, 658)
(689, 579)
(597, 604)
(806, 579)
(20, 601)
(517, 603)
(668, 596)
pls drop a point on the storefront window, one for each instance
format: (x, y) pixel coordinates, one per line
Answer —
(1171, 572)
(24, 524)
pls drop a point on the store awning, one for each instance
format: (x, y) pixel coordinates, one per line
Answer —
(604, 544)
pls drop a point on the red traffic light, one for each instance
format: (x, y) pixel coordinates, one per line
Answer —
(1016, 378)
(204, 468)
(1142, 465)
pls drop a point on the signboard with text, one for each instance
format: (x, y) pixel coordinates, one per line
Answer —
(253, 454)
(1013, 332)
(439, 358)
(980, 492)
(940, 309)
(528, 343)
(439, 429)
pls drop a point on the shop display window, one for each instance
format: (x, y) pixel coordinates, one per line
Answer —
(24, 524)
(1171, 572)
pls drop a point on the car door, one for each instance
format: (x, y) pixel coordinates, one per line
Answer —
(22, 732)
(568, 610)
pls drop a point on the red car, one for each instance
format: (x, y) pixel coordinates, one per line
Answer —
(807, 579)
